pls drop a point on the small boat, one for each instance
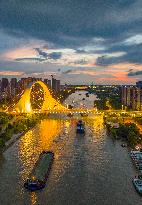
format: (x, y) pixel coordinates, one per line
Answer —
(84, 114)
(70, 106)
(123, 145)
(138, 184)
(38, 177)
(69, 114)
(80, 128)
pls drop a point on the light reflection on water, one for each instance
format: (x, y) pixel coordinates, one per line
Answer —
(35, 141)
(33, 198)
(87, 170)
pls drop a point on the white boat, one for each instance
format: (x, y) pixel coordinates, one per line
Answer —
(138, 185)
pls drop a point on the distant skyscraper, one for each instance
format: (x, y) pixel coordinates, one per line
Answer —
(124, 95)
(55, 85)
(4, 84)
(47, 82)
(132, 97)
(13, 86)
(139, 84)
(13, 82)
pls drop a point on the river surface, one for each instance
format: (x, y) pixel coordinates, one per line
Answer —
(87, 170)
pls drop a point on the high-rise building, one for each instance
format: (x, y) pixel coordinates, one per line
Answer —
(13, 82)
(139, 84)
(124, 95)
(132, 97)
(48, 83)
(13, 86)
(55, 85)
(4, 84)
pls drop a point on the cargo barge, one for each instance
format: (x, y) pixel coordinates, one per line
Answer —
(39, 175)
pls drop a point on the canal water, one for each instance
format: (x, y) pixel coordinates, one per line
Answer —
(88, 170)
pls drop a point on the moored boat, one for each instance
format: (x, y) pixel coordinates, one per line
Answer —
(38, 177)
(138, 185)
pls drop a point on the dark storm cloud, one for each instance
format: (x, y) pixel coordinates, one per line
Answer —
(41, 53)
(67, 71)
(75, 24)
(44, 55)
(133, 55)
(30, 67)
(70, 22)
(105, 61)
(55, 55)
(135, 73)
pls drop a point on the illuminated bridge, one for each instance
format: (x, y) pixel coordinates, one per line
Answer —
(24, 104)
(50, 105)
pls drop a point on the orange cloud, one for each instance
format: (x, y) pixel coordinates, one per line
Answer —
(11, 73)
(125, 66)
(24, 52)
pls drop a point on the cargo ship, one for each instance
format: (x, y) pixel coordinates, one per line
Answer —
(39, 175)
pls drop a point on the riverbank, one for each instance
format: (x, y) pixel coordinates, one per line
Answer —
(127, 132)
(15, 129)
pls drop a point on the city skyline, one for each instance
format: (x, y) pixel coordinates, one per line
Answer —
(77, 42)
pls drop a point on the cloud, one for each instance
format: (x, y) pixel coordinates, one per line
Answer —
(11, 73)
(55, 55)
(134, 40)
(73, 36)
(30, 59)
(67, 71)
(130, 70)
(110, 58)
(19, 52)
(68, 23)
(52, 55)
(135, 73)
(41, 53)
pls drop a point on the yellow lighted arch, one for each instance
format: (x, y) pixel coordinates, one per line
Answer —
(24, 104)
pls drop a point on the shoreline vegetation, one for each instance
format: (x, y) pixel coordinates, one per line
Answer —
(128, 132)
(12, 127)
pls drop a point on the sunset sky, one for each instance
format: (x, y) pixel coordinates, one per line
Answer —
(77, 41)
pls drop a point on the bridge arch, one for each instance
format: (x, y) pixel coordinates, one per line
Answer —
(49, 103)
